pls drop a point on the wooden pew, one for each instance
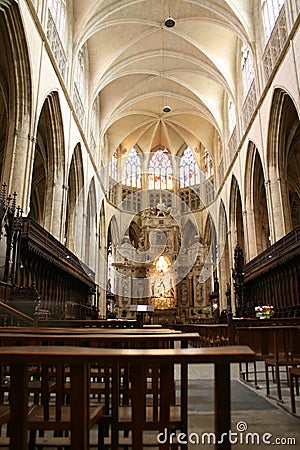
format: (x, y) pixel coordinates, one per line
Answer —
(100, 340)
(116, 340)
(80, 358)
(268, 342)
(286, 353)
(211, 335)
(66, 330)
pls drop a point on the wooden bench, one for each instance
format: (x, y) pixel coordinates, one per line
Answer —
(79, 359)
(210, 335)
(286, 353)
(271, 344)
(131, 340)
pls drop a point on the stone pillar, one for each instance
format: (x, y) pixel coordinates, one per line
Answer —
(278, 206)
(54, 209)
(251, 233)
(16, 166)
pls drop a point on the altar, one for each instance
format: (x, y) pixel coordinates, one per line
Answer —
(151, 267)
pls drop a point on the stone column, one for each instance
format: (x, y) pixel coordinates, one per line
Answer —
(16, 167)
(54, 209)
(278, 206)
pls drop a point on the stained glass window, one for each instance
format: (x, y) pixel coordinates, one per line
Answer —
(189, 173)
(160, 171)
(58, 12)
(247, 66)
(208, 165)
(271, 10)
(231, 116)
(113, 166)
(79, 74)
(132, 169)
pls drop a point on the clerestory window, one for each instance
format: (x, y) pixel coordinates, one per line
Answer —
(160, 171)
(189, 173)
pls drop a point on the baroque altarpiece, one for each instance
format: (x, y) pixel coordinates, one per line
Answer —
(156, 264)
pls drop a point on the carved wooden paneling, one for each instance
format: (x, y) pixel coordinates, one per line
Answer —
(273, 276)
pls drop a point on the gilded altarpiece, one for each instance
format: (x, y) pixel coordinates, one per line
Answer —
(155, 267)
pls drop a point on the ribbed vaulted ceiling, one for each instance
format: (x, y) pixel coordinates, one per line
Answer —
(137, 64)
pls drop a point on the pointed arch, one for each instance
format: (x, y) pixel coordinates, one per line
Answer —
(236, 215)
(210, 241)
(16, 100)
(160, 170)
(224, 258)
(283, 158)
(189, 234)
(113, 230)
(75, 202)
(48, 167)
(189, 172)
(91, 238)
(256, 203)
(260, 209)
(132, 169)
(134, 233)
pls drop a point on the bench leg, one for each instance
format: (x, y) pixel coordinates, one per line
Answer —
(292, 394)
(267, 379)
(222, 406)
(297, 385)
(255, 373)
(278, 383)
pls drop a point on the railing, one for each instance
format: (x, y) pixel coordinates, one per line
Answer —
(56, 46)
(11, 317)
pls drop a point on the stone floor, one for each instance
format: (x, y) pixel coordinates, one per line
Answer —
(260, 417)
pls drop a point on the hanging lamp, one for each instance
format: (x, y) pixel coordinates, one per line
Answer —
(169, 22)
(166, 108)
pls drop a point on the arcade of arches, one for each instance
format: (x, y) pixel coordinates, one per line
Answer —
(148, 161)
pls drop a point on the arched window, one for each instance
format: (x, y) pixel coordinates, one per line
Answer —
(113, 166)
(247, 67)
(58, 12)
(132, 169)
(94, 116)
(189, 173)
(93, 128)
(231, 116)
(79, 74)
(270, 10)
(160, 171)
(208, 165)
